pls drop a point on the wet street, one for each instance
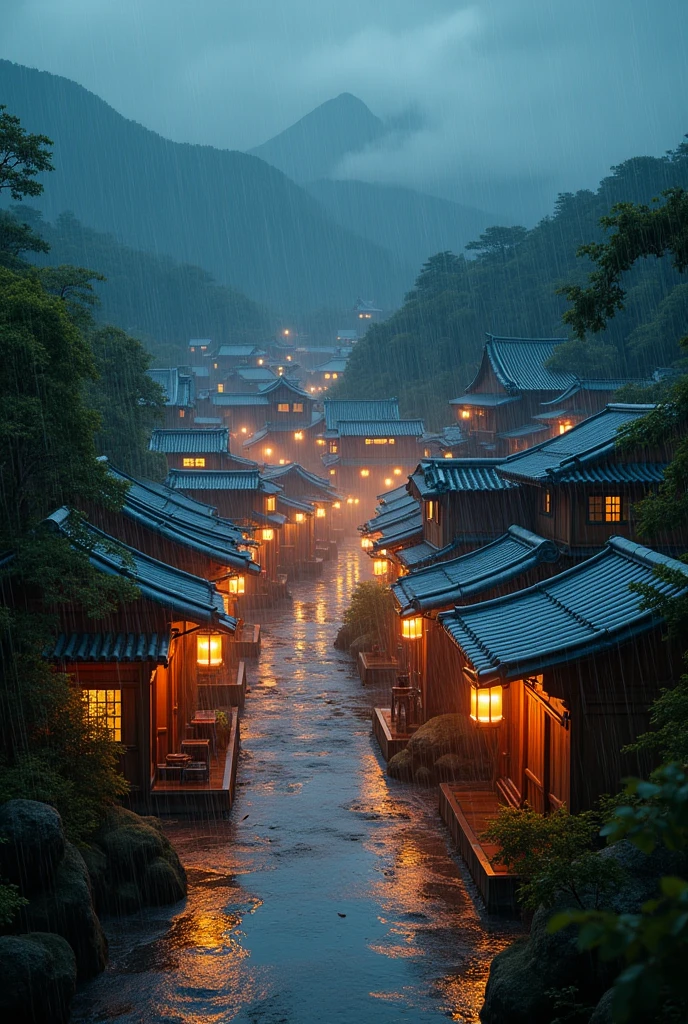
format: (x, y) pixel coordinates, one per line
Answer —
(332, 893)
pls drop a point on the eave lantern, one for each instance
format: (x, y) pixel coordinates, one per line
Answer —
(300, 517)
(412, 629)
(268, 534)
(209, 650)
(320, 513)
(237, 584)
(366, 543)
(380, 567)
(486, 704)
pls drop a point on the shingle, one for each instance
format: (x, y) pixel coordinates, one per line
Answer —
(214, 480)
(441, 476)
(341, 410)
(381, 428)
(102, 647)
(196, 442)
(519, 364)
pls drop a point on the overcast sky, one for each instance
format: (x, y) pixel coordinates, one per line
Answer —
(540, 95)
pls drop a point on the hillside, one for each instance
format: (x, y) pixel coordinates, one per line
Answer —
(313, 146)
(408, 223)
(429, 349)
(228, 212)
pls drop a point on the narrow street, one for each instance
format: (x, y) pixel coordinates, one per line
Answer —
(332, 893)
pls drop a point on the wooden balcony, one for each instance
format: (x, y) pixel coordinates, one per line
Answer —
(389, 740)
(467, 810)
(196, 798)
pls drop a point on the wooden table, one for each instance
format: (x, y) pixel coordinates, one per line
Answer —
(205, 727)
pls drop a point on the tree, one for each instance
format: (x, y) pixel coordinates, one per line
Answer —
(22, 157)
(498, 243)
(16, 238)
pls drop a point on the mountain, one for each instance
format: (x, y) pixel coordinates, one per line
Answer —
(408, 223)
(228, 212)
(314, 146)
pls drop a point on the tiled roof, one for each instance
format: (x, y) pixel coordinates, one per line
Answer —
(387, 497)
(184, 595)
(527, 430)
(400, 531)
(519, 364)
(283, 474)
(484, 399)
(284, 382)
(617, 473)
(446, 583)
(600, 384)
(440, 476)
(178, 387)
(102, 647)
(392, 513)
(240, 351)
(200, 341)
(416, 554)
(578, 613)
(381, 428)
(332, 366)
(250, 398)
(207, 421)
(214, 480)
(200, 371)
(593, 440)
(259, 373)
(298, 505)
(339, 410)
(196, 442)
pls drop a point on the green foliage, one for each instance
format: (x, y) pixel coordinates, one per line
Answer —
(371, 611)
(22, 156)
(498, 243)
(17, 238)
(668, 737)
(653, 944)
(553, 856)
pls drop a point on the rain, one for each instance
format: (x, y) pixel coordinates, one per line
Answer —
(343, 520)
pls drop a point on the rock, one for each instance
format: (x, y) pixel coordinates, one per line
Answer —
(97, 867)
(37, 978)
(602, 1014)
(423, 776)
(163, 883)
(447, 734)
(35, 843)
(453, 768)
(67, 909)
(125, 898)
(400, 766)
(128, 843)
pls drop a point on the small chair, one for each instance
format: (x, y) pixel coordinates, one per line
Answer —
(198, 767)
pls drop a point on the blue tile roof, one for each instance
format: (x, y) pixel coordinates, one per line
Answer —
(445, 583)
(250, 398)
(259, 373)
(284, 382)
(600, 384)
(179, 388)
(214, 480)
(527, 430)
(578, 613)
(519, 364)
(340, 410)
(441, 476)
(391, 513)
(101, 647)
(183, 595)
(387, 497)
(484, 399)
(416, 555)
(399, 532)
(593, 440)
(381, 428)
(240, 351)
(196, 442)
(294, 470)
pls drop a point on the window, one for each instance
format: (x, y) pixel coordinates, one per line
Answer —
(214, 366)
(283, 407)
(432, 512)
(465, 414)
(334, 447)
(104, 707)
(426, 453)
(327, 376)
(298, 435)
(607, 508)
(220, 388)
(391, 440)
(334, 376)
(546, 501)
(194, 463)
(297, 407)
(182, 414)
(270, 503)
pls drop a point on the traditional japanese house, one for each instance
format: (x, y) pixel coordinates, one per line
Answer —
(559, 676)
(228, 357)
(324, 375)
(142, 670)
(580, 400)
(199, 349)
(190, 448)
(396, 524)
(298, 482)
(297, 543)
(367, 313)
(250, 378)
(180, 390)
(466, 503)
(279, 443)
(507, 391)
(583, 486)
(449, 443)
(244, 414)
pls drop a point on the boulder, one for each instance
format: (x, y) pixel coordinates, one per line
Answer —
(453, 768)
(445, 734)
(400, 766)
(128, 843)
(602, 1014)
(67, 909)
(125, 898)
(35, 843)
(423, 776)
(163, 883)
(37, 978)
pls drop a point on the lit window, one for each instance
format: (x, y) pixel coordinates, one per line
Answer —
(546, 502)
(104, 707)
(332, 472)
(300, 517)
(297, 407)
(288, 359)
(607, 508)
(203, 348)
(283, 407)
(388, 481)
(194, 463)
(244, 430)
(270, 503)
(182, 414)
(320, 441)
(298, 435)
(282, 462)
(366, 543)
(193, 349)
(334, 447)
(334, 376)
(380, 567)
(426, 453)
(320, 513)
(214, 366)
(237, 585)
(392, 440)
(268, 534)
(465, 414)
(209, 649)
(220, 389)
(365, 472)
(260, 362)
(337, 504)
(327, 376)
(564, 425)
(448, 455)
(267, 451)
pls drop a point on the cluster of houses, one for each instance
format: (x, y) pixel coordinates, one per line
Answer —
(517, 584)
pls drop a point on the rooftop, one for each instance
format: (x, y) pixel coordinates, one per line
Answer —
(102, 647)
(178, 387)
(445, 583)
(337, 410)
(519, 364)
(215, 480)
(380, 428)
(197, 442)
(240, 351)
(580, 612)
(441, 476)
(250, 398)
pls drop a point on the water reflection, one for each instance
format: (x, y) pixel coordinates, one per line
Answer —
(331, 893)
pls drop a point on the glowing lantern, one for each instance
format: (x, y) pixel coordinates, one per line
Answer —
(349, 501)
(486, 705)
(320, 513)
(260, 362)
(237, 585)
(366, 543)
(268, 534)
(465, 414)
(244, 430)
(267, 451)
(388, 481)
(320, 440)
(270, 503)
(298, 435)
(412, 629)
(336, 504)
(397, 472)
(365, 472)
(356, 501)
(300, 517)
(380, 567)
(209, 649)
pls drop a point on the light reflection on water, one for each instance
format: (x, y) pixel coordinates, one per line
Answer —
(331, 893)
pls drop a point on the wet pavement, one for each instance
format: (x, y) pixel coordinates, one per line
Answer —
(331, 894)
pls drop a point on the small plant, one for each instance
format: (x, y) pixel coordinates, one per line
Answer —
(222, 726)
(371, 612)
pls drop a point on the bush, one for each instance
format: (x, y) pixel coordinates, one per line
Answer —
(372, 612)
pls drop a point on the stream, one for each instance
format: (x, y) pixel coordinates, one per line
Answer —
(331, 893)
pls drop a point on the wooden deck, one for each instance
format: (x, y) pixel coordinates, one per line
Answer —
(389, 740)
(246, 642)
(225, 693)
(201, 799)
(377, 669)
(467, 810)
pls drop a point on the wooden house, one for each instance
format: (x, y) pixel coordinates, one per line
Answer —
(582, 486)
(366, 313)
(448, 443)
(321, 377)
(191, 448)
(243, 413)
(579, 401)
(180, 391)
(298, 482)
(560, 676)
(199, 350)
(227, 357)
(142, 670)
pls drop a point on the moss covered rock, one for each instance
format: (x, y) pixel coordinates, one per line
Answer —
(163, 883)
(37, 978)
(453, 768)
(401, 766)
(34, 843)
(446, 747)
(66, 908)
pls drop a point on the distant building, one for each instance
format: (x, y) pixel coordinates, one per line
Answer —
(180, 393)
(367, 313)
(199, 349)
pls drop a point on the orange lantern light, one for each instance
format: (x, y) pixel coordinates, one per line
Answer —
(412, 629)
(237, 584)
(300, 517)
(268, 534)
(380, 567)
(209, 649)
(486, 705)
(320, 513)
